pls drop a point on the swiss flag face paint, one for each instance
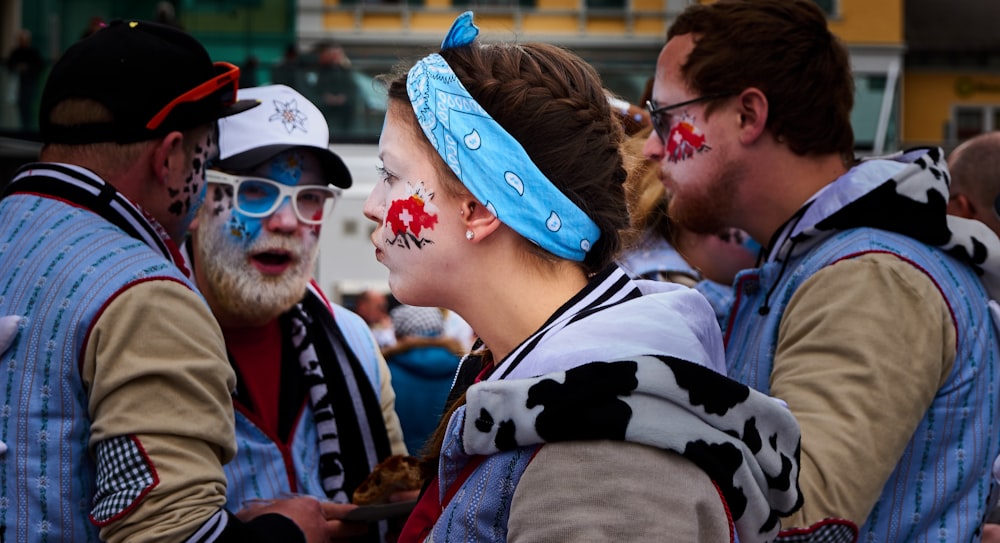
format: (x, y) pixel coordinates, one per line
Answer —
(408, 218)
(684, 140)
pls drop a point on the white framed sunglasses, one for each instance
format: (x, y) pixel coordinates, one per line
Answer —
(259, 197)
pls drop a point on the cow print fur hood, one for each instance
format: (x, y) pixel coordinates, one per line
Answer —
(641, 361)
(906, 193)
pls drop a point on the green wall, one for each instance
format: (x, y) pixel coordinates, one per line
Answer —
(231, 30)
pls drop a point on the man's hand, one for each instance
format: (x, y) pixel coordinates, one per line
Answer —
(319, 521)
(333, 512)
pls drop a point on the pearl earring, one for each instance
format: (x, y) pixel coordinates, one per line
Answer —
(469, 234)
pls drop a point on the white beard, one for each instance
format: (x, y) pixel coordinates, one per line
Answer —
(239, 287)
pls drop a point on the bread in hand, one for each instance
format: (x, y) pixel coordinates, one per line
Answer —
(394, 474)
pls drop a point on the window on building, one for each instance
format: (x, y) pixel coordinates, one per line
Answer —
(494, 3)
(828, 6)
(381, 2)
(969, 121)
(605, 4)
(867, 115)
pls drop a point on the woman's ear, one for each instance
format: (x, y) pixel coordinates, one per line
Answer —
(477, 219)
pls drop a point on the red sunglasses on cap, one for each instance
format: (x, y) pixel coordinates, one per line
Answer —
(230, 77)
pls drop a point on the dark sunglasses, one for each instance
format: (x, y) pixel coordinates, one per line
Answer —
(228, 80)
(661, 121)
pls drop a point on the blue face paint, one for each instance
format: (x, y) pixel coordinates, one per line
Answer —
(285, 168)
(197, 200)
(244, 229)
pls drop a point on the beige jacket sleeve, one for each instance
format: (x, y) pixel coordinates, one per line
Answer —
(155, 368)
(387, 396)
(600, 491)
(863, 348)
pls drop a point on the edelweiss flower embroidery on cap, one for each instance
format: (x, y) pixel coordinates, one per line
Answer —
(289, 115)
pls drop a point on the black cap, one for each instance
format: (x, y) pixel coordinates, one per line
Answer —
(136, 69)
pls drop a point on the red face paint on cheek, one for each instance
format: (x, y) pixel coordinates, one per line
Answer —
(684, 140)
(318, 216)
(408, 218)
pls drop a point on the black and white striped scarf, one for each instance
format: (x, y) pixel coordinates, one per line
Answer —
(348, 417)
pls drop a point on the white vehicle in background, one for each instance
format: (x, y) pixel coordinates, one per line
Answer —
(346, 264)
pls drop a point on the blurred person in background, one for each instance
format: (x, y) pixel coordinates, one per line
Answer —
(166, 14)
(373, 306)
(423, 363)
(634, 118)
(975, 180)
(330, 85)
(288, 70)
(249, 71)
(26, 65)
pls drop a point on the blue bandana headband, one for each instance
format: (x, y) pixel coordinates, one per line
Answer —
(489, 161)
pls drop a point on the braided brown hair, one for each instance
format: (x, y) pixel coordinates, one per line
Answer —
(553, 103)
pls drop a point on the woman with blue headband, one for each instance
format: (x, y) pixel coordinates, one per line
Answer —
(594, 407)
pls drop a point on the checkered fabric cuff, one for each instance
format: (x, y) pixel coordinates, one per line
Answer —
(124, 476)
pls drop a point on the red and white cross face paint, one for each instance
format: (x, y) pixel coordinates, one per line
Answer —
(409, 219)
(684, 140)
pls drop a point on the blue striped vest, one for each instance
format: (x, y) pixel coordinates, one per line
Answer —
(957, 439)
(59, 265)
(480, 508)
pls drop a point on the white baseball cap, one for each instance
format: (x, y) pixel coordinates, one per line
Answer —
(285, 119)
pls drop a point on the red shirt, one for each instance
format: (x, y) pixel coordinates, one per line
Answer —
(256, 351)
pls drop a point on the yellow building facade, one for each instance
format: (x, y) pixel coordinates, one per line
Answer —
(620, 37)
(874, 33)
(948, 106)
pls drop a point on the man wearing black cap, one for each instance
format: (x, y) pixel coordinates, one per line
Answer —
(315, 411)
(116, 414)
